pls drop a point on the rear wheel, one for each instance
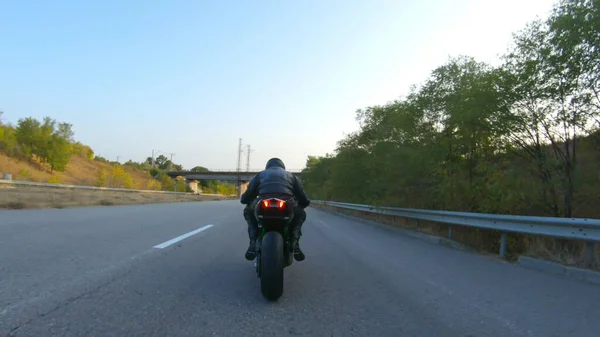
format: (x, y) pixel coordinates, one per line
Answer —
(271, 266)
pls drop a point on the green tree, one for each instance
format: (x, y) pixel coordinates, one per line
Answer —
(45, 139)
(478, 138)
(161, 162)
(572, 74)
(27, 135)
(56, 148)
(58, 153)
(554, 76)
(48, 141)
(199, 169)
(8, 141)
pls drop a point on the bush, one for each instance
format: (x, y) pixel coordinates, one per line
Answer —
(53, 180)
(25, 174)
(101, 181)
(119, 178)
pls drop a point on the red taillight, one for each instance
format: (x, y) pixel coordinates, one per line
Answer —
(267, 203)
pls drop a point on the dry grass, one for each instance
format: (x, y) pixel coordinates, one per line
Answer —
(567, 252)
(40, 197)
(80, 171)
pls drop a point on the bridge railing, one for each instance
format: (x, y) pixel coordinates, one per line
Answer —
(232, 172)
(587, 230)
(252, 170)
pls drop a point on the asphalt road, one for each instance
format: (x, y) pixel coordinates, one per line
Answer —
(95, 271)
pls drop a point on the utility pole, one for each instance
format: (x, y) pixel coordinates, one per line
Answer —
(239, 159)
(248, 158)
(118, 159)
(239, 168)
(171, 162)
(154, 153)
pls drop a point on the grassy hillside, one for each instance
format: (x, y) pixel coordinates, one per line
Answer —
(45, 151)
(79, 171)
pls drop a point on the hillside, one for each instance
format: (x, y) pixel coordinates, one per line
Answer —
(45, 151)
(79, 171)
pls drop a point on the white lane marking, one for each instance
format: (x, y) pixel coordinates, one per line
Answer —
(323, 224)
(181, 237)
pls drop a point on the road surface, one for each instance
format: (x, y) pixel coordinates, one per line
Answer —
(115, 271)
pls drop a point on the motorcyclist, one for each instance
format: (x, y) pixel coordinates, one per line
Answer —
(275, 182)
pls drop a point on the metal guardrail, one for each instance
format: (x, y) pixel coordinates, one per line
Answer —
(29, 183)
(568, 228)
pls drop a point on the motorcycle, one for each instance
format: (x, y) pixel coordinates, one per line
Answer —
(274, 250)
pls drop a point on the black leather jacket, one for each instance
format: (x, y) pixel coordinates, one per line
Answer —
(275, 180)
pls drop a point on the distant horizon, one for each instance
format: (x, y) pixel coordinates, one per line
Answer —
(191, 78)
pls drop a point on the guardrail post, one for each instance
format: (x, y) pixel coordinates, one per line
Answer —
(503, 241)
(588, 257)
(450, 231)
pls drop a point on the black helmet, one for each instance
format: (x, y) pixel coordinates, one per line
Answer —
(275, 162)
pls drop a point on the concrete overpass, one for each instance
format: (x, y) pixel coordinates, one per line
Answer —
(240, 178)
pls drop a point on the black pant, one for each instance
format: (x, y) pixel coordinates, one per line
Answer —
(295, 226)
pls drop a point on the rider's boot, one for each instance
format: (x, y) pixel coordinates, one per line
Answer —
(298, 254)
(251, 251)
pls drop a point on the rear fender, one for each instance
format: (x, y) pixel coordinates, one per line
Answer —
(271, 214)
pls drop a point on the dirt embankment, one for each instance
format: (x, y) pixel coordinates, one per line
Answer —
(20, 197)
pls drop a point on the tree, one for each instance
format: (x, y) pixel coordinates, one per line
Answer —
(8, 141)
(45, 140)
(161, 162)
(478, 138)
(199, 169)
(49, 142)
(174, 167)
(26, 133)
(556, 77)
(65, 131)
(574, 32)
(58, 153)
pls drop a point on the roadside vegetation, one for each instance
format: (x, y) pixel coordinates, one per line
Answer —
(45, 151)
(519, 138)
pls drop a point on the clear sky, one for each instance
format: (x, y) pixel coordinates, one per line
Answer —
(191, 77)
